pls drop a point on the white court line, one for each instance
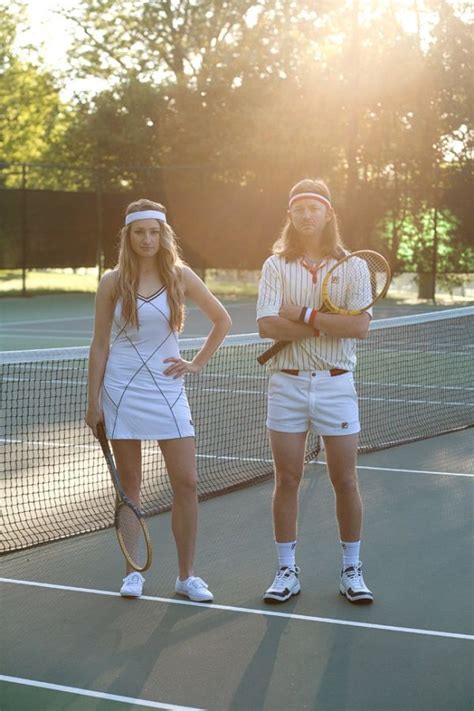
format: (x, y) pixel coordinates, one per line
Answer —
(323, 463)
(414, 386)
(46, 320)
(48, 334)
(256, 460)
(369, 399)
(403, 401)
(45, 332)
(249, 610)
(58, 445)
(413, 471)
(95, 694)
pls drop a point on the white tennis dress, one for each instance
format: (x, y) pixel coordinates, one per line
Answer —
(138, 400)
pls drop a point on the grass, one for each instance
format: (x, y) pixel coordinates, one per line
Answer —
(224, 283)
(83, 280)
(48, 281)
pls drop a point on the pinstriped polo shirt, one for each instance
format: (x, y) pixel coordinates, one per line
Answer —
(284, 282)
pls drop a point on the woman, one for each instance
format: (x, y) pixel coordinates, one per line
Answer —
(136, 378)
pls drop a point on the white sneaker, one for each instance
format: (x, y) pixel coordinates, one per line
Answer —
(285, 584)
(195, 589)
(132, 585)
(353, 587)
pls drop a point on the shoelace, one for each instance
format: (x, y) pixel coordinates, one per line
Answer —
(134, 579)
(279, 584)
(197, 583)
(355, 576)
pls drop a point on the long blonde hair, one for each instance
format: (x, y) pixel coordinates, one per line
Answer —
(170, 268)
(290, 244)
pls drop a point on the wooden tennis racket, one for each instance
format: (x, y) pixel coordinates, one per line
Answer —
(354, 284)
(132, 532)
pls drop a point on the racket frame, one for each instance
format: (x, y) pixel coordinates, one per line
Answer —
(122, 500)
(327, 306)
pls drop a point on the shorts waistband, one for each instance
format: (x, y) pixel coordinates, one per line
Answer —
(332, 372)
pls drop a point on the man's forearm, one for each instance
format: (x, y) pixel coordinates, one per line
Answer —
(340, 326)
(282, 329)
(335, 325)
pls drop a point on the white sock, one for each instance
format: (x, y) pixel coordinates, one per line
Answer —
(350, 554)
(286, 554)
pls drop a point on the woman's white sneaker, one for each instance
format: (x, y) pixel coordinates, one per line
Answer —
(285, 584)
(132, 585)
(195, 589)
(353, 587)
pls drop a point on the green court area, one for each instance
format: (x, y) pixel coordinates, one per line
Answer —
(22, 694)
(249, 128)
(64, 623)
(412, 371)
(72, 642)
(66, 320)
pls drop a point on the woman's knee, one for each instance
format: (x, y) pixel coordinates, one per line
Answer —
(346, 484)
(287, 479)
(185, 487)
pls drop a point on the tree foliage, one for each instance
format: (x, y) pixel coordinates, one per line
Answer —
(375, 97)
(31, 112)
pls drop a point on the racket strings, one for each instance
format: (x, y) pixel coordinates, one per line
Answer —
(132, 536)
(358, 281)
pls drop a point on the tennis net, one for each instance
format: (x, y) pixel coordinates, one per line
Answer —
(414, 377)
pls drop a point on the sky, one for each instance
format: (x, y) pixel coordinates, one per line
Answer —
(51, 34)
(48, 29)
(52, 31)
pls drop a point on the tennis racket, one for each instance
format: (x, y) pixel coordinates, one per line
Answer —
(359, 279)
(132, 532)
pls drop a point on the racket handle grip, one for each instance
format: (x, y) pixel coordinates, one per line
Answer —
(272, 351)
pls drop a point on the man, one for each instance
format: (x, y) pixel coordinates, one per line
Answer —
(311, 384)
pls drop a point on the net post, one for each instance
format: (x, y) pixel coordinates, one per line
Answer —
(99, 226)
(434, 263)
(24, 228)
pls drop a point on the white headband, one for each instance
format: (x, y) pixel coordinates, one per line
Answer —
(145, 215)
(307, 196)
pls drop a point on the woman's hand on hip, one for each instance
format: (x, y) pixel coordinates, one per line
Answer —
(180, 367)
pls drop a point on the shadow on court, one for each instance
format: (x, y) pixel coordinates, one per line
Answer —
(64, 624)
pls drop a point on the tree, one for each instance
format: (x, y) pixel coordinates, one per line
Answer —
(257, 94)
(31, 112)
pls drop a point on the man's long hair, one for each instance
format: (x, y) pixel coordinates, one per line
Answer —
(290, 243)
(170, 266)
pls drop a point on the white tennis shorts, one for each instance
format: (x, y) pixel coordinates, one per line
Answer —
(313, 401)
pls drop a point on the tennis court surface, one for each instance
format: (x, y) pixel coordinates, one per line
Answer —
(71, 642)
